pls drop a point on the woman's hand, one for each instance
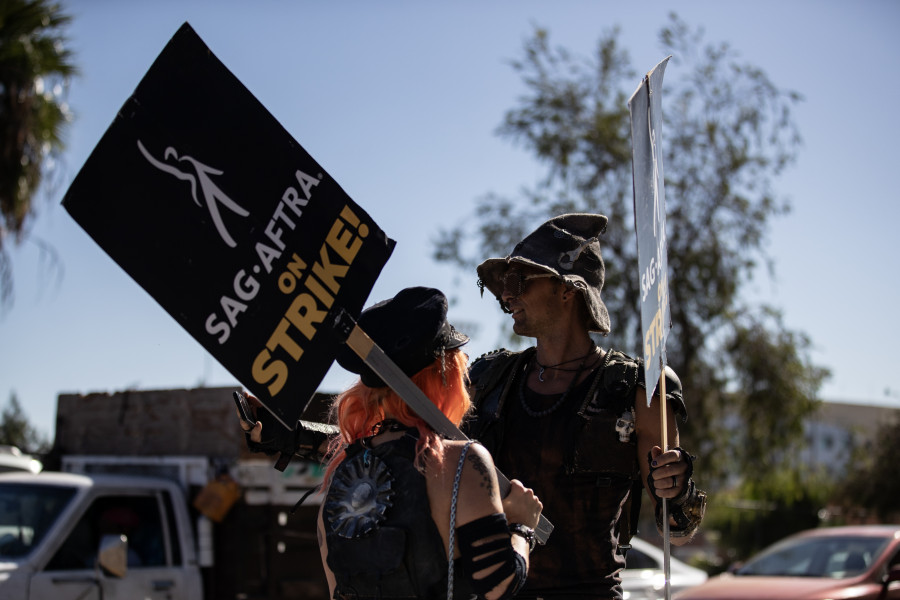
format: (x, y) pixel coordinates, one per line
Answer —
(521, 505)
(256, 431)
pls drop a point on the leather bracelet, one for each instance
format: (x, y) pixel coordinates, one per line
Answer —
(527, 533)
(687, 515)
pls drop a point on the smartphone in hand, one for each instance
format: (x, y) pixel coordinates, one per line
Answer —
(244, 409)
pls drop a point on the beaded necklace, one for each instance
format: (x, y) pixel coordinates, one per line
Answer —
(578, 371)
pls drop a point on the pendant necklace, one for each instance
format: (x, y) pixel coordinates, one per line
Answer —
(542, 368)
(540, 413)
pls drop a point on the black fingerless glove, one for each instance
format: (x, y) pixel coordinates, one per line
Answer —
(275, 436)
(305, 440)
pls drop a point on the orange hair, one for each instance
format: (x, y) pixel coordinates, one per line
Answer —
(359, 408)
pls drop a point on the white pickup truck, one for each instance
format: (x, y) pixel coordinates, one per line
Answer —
(102, 536)
(129, 510)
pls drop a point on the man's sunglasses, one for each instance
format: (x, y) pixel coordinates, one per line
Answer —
(514, 281)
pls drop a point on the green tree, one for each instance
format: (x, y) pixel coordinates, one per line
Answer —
(872, 484)
(728, 133)
(35, 68)
(754, 515)
(16, 430)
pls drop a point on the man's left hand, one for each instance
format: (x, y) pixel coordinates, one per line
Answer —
(668, 472)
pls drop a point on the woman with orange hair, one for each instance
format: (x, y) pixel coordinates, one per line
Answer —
(399, 499)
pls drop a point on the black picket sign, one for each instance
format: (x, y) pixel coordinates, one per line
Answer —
(203, 198)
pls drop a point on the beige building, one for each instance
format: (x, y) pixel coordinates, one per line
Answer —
(838, 427)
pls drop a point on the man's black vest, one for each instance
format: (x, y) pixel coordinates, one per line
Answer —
(595, 445)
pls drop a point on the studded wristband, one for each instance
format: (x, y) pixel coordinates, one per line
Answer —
(527, 533)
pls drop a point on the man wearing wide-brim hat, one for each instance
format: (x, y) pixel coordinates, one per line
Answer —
(570, 419)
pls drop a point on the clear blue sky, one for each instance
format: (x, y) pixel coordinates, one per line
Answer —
(399, 102)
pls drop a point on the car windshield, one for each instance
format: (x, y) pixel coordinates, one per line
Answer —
(834, 556)
(27, 512)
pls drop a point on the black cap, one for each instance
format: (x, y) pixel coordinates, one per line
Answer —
(411, 328)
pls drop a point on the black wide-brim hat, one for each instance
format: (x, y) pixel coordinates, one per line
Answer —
(567, 246)
(411, 328)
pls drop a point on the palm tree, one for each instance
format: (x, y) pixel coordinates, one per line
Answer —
(35, 68)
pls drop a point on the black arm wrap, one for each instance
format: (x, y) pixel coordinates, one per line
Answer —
(674, 393)
(309, 441)
(493, 548)
(687, 508)
(302, 441)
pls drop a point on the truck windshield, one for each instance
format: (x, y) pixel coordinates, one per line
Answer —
(27, 512)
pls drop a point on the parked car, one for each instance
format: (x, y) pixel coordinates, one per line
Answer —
(643, 577)
(13, 459)
(835, 563)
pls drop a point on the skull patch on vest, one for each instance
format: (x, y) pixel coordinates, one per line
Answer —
(359, 496)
